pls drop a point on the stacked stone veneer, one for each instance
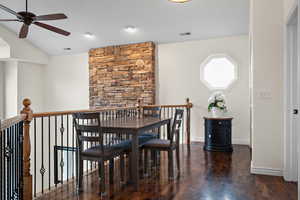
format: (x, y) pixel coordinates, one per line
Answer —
(120, 75)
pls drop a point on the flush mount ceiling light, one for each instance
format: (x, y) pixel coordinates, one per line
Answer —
(130, 29)
(179, 1)
(89, 35)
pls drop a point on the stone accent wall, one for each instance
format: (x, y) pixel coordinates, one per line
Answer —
(120, 75)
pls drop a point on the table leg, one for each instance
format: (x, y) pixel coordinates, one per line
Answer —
(135, 161)
(170, 154)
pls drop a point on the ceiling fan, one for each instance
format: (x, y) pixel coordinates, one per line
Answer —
(28, 18)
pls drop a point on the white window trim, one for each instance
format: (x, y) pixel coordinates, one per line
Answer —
(207, 60)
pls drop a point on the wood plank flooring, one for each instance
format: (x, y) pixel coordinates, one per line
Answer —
(204, 176)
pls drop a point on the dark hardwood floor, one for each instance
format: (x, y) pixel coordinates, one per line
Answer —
(204, 176)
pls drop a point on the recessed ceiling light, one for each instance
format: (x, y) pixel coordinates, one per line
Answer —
(67, 49)
(89, 35)
(130, 29)
(185, 34)
(179, 1)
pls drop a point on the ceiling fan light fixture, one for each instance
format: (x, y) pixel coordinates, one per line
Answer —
(179, 1)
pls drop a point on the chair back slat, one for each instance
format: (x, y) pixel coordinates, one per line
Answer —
(90, 116)
(177, 121)
(89, 138)
(88, 128)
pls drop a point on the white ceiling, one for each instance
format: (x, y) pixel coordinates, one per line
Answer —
(158, 20)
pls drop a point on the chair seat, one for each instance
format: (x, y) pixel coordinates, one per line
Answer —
(142, 140)
(150, 134)
(115, 149)
(109, 151)
(158, 143)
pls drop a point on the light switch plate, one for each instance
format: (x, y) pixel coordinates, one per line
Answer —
(265, 95)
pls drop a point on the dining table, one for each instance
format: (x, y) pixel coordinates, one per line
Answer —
(135, 126)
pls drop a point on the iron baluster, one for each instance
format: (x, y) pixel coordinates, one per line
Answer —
(68, 147)
(5, 163)
(42, 169)
(73, 145)
(34, 141)
(55, 144)
(49, 152)
(62, 129)
(1, 165)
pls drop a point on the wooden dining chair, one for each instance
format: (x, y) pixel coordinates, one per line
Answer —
(169, 145)
(87, 124)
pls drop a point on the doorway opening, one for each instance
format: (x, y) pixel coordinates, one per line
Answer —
(292, 99)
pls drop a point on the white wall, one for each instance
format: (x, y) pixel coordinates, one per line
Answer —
(21, 80)
(1, 90)
(67, 83)
(11, 89)
(4, 49)
(179, 78)
(31, 85)
(267, 97)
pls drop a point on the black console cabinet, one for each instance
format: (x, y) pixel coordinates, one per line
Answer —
(218, 134)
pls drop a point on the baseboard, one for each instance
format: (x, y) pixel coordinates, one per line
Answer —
(240, 141)
(266, 171)
(234, 141)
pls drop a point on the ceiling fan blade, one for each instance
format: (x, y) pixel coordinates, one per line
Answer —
(52, 28)
(9, 20)
(57, 16)
(24, 31)
(10, 11)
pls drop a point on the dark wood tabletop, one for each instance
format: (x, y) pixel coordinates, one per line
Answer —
(132, 124)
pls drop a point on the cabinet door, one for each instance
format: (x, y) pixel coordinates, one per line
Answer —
(220, 136)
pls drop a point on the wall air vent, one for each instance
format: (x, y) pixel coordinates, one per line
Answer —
(185, 34)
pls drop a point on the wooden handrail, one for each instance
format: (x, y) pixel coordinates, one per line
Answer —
(56, 113)
(46, 114)
(11, 121)
(166, 106)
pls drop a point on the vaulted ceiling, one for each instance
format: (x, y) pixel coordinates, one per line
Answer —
(157, 20)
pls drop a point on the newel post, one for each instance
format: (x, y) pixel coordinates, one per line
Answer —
(188, 120)
(27, 177)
